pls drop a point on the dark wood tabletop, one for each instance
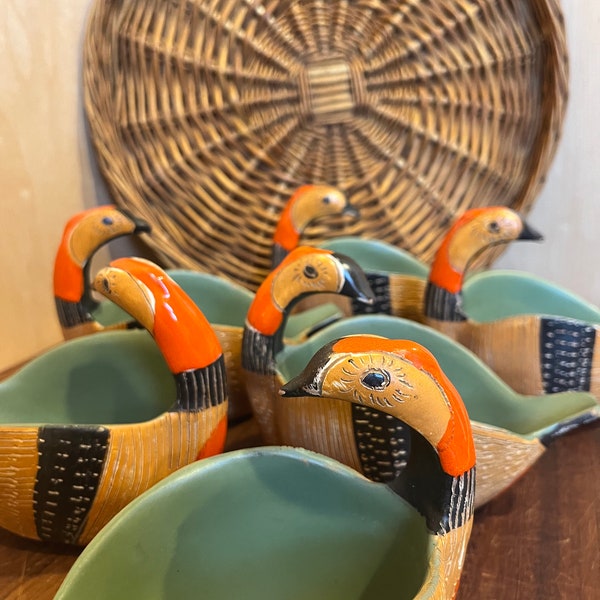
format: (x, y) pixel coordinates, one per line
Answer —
(539, 540)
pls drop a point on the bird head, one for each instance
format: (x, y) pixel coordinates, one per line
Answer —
(184, 336)
(306, 270)
(397, 377)
(307, 204)
(475, 231)
(83, 235)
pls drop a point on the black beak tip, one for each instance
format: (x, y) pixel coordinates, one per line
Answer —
(351, 211)
(528, 233)
(142, 226)
(289, 391)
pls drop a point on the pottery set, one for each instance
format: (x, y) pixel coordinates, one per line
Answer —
(402, 399)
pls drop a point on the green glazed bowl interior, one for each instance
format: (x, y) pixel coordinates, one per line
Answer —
(487, 398)
(255, 524)
(373, 255)
(497, 294)
(109, 378)
(224, 303)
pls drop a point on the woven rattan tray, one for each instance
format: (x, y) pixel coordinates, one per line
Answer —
(206, 115)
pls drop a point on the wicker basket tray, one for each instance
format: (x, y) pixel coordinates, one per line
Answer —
(207, 115)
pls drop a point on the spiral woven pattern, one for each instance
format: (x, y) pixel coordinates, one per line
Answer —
(207, 115)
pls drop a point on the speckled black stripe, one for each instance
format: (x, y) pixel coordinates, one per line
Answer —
(442, 304)
(70, 464)
(71, 313)
(566, 352)
(380, 284)
(201, 388)
(383, 443)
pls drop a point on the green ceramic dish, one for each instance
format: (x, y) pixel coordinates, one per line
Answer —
(376, 256)
(255, 524)
(496, 294)
(116, 377)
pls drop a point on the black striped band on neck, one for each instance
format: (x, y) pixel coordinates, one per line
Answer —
(461, 496)
(71, 313)
(445, 501)
(443, 305)
(203, 388)
(258, 351)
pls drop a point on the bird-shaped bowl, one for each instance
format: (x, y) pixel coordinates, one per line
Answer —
(511, 431)
(303, 273)
(287, 523)
(256, 524)
(556, 353)
(94, 422)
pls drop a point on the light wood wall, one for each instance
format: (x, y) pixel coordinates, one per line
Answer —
(47, 171)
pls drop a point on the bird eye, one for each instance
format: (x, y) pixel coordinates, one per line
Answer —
(107, 221)
(376, 380)
(493, 227)
(310, 272)
(327, 200)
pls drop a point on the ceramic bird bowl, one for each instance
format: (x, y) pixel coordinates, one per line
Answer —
(287, 523)
(303, 273)
(511, 431)
(256, 524)
(535, 351)
(94, 422)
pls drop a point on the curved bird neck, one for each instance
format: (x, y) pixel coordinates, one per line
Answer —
(259, 349)
(287, 234)
(445, 501)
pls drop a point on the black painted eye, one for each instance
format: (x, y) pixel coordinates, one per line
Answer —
(327, 200)
(310, 272)
(376, 380)
(107, 221)
(493, 227)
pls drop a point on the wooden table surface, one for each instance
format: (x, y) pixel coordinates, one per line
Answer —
(538, 540)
